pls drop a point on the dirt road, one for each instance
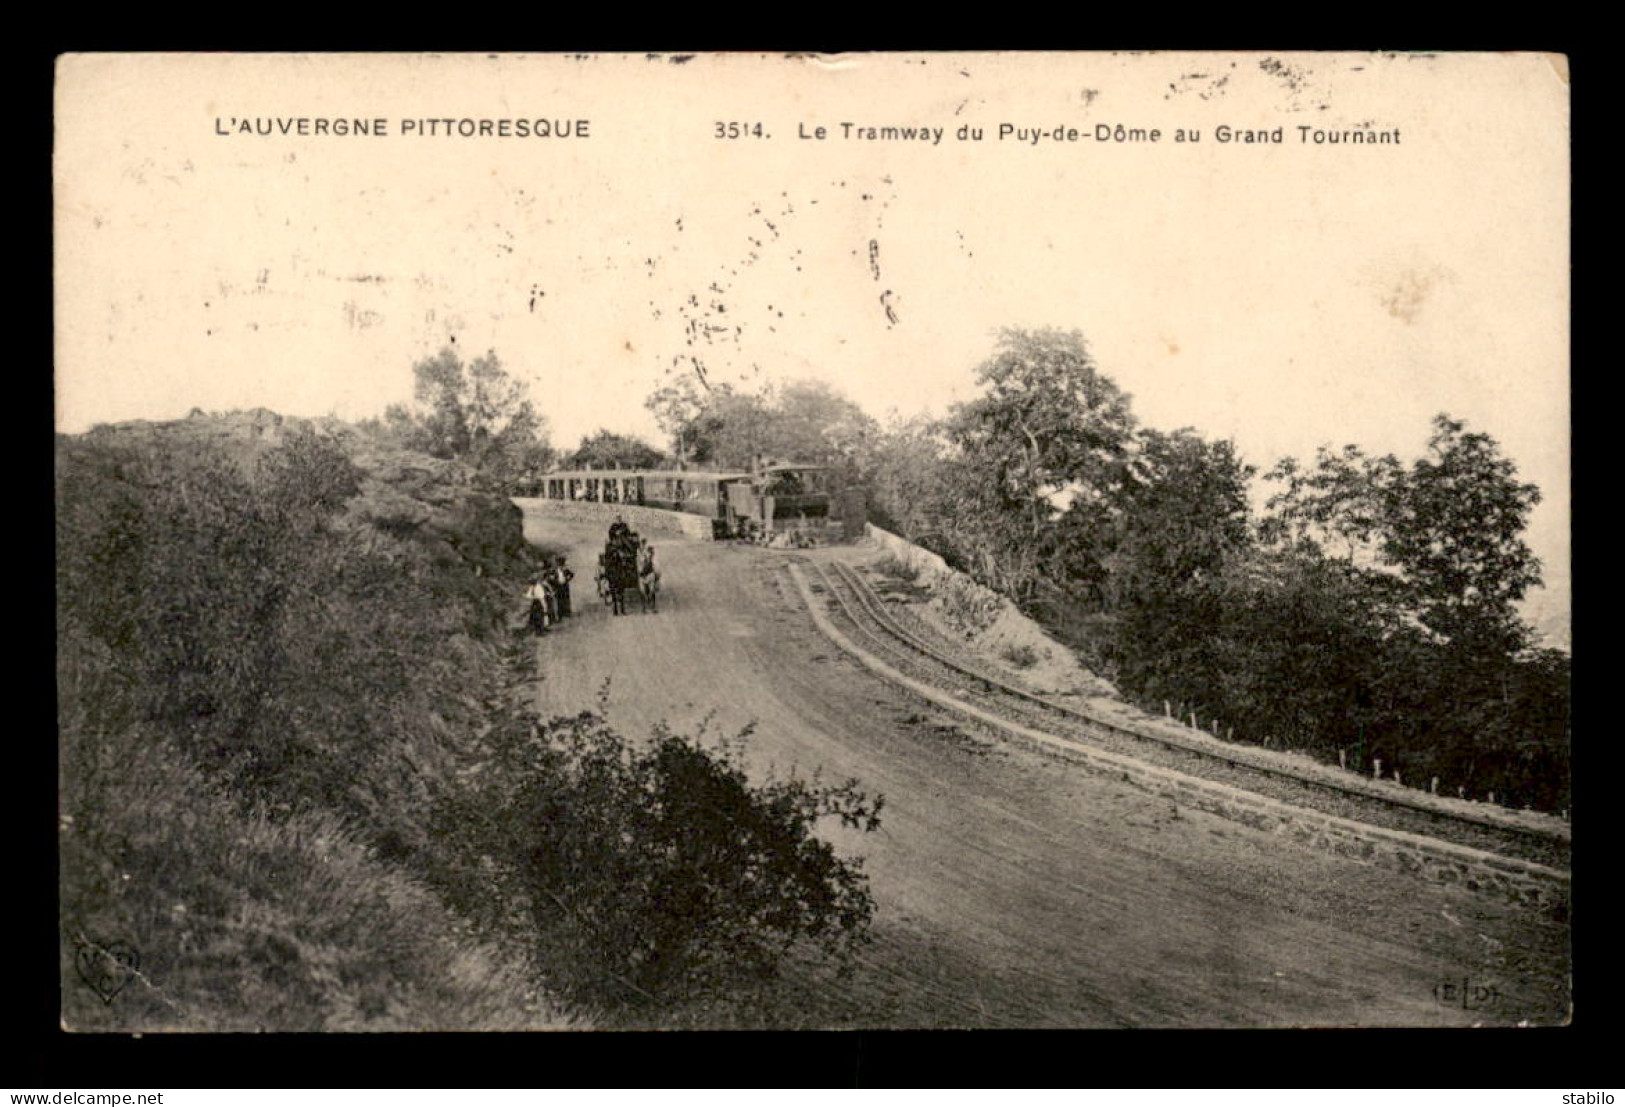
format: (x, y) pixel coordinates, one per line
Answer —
(1018, 891)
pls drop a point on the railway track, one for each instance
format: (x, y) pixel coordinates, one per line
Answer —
(855, 608)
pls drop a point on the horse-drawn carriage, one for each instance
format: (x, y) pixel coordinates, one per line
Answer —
(627, 565)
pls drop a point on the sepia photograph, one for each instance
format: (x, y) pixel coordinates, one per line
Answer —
(887, 541)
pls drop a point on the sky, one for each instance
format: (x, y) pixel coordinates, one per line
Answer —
(1284, 294)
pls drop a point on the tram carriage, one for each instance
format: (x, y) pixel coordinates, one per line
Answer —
(805, 503)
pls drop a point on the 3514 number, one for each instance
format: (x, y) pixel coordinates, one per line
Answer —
(739, 130)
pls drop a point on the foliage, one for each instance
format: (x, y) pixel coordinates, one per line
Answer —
(653, 872)
(804, 421)
(1182, 511)
(1454, 530)
(904, 476)
(1022, 657)
(1449, 527)
(268, 689)
(893, 566)
(1049, 430)
(1336, 508)
(254, 684)
(1371, 611)
(688, 418)
(246, 619)
(245, 922)
(608, 450)
(814, 423)
(473, 412)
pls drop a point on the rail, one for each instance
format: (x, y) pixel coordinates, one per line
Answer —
(1496, 836)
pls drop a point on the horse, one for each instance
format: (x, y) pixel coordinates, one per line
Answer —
(649, 580)
(621, 564)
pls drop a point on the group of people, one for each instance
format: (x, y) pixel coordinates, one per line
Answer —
(627, 564)
(549, 595)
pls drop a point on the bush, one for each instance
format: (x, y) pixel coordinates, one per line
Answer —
(895, 567)
(242, 922)
(1022, 657)
(654, 872)
(253, 680)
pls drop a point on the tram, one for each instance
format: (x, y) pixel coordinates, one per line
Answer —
(773, 502)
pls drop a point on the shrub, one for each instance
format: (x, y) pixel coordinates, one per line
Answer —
(967, 606)
(893, 566)
(1022, 657)
(255, 687)
(655, 872)
(244, 922)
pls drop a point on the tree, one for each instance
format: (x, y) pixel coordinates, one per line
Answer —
(904, 478)
(1339, 505)
(1049, 429)
(605, 449)
(1448, 529)
(687, 416)
(803, 421)
(1180, 513)
(814, 423)
(1454, 528)
(473, 412)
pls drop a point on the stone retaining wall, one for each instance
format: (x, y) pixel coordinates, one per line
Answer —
(644, 520)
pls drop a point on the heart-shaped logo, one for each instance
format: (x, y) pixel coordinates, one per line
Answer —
(107, 967)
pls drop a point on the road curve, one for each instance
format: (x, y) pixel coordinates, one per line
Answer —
(1019, 891)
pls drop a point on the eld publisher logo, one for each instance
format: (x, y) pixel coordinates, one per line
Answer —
(1467, 995)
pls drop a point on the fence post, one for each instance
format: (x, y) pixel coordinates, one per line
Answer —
(1397, 780)
(1492, 797)
(1167, 709)
(1229, 734)
(1194, 724)
(1434, 787)
(1376, 768)
(1342, 759)
(1461, 791)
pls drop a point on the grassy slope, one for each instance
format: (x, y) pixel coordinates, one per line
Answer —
(188, 905)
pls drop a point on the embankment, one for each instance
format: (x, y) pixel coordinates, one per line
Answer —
(989, 623)
(1519, 881)
(277, 639)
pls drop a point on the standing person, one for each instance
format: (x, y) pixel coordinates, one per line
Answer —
(550, 587)
(648, 578)
(536, 618)
(561, 586)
